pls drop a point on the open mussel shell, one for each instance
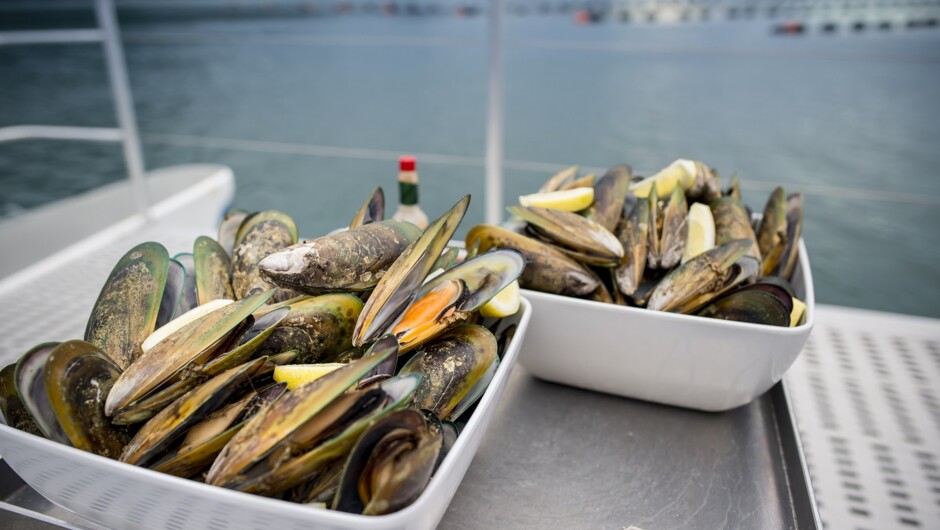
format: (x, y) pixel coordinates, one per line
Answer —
(452, 365)
(352, 260)
(318, 327)
(749, 305)
(258, 236)
(704, 277)
(560, 180)
(213, 268)
(396, 288)
(188, 296)
(734, 187)
(204, 440)
(77, 378)
(266, 431)
(547, 269)
(126, 310)
(328, 437)
(228, 228)
(372, 210)
(14, 412)
(239, 345)
(609, 194)
(155, 436)
(390, 465)
(794, 230)
(733, 222)
(633, 234)
(173, 354)
(772, 233)
(454, 295)
(579, 237)
(31, 386)
(667, 230)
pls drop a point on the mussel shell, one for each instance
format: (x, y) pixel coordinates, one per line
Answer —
(390, 465)
(352, 260)
(249, 343)
(372, 210)
(547, 269)
(451, 365)
(188, 461)
(264, 432)
(633, 235)
(31, 387)
(330, 435)
(176, 352)
(77, 378)
(172, 293)
(448, 259)
(126, 310)
(734, 187)
(675, 230)
(609, 194)
(733, 222)
(776, 286)
(772, 234)
(589, 241)
(749, 305)
(259, 236)
(700, 279)
(228, 229)
(407, 273)
(188, 297)
(653, 243)
(172, 422)
(560, 179)
(706, 188)
(450, 298)
(318, 328)
(587, 181)
(14, 412)
(788, 260)
(213, 270)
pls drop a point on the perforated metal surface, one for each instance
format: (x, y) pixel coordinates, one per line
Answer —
(865, 391)
(56, 305)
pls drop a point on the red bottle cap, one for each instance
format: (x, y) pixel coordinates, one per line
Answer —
(406, 163)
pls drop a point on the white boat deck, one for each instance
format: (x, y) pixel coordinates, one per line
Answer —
(866, 390)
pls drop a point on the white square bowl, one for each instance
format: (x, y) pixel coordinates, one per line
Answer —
(119, 495)
(682, 360)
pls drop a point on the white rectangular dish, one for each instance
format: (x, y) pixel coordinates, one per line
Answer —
(119, 495)
(683, 360)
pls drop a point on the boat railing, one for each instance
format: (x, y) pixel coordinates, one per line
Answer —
(108, 34)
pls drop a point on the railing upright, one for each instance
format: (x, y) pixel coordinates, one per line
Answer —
(494, 123)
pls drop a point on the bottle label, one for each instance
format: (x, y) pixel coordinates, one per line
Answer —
(408, 193)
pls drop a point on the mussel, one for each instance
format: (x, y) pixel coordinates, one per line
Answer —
(353, 260)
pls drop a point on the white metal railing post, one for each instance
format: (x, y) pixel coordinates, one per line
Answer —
(120, 86)
(494, 122)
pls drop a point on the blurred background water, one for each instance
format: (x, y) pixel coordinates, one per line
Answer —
(312, 111)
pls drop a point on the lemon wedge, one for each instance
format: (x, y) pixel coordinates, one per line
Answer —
(572, 200)
(296, 375)
(797, 314)
(701, 234)
(679, 173)
(505, 303)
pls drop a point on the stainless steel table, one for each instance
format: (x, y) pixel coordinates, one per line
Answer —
(559, 457)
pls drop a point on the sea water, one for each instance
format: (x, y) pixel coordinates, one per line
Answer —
(312, 112)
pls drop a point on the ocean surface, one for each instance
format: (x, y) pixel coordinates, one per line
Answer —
(311, 113)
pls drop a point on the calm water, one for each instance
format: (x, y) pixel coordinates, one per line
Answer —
(852, 121)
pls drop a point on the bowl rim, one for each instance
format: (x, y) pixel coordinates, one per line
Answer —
(680, 318)
(319, 516)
